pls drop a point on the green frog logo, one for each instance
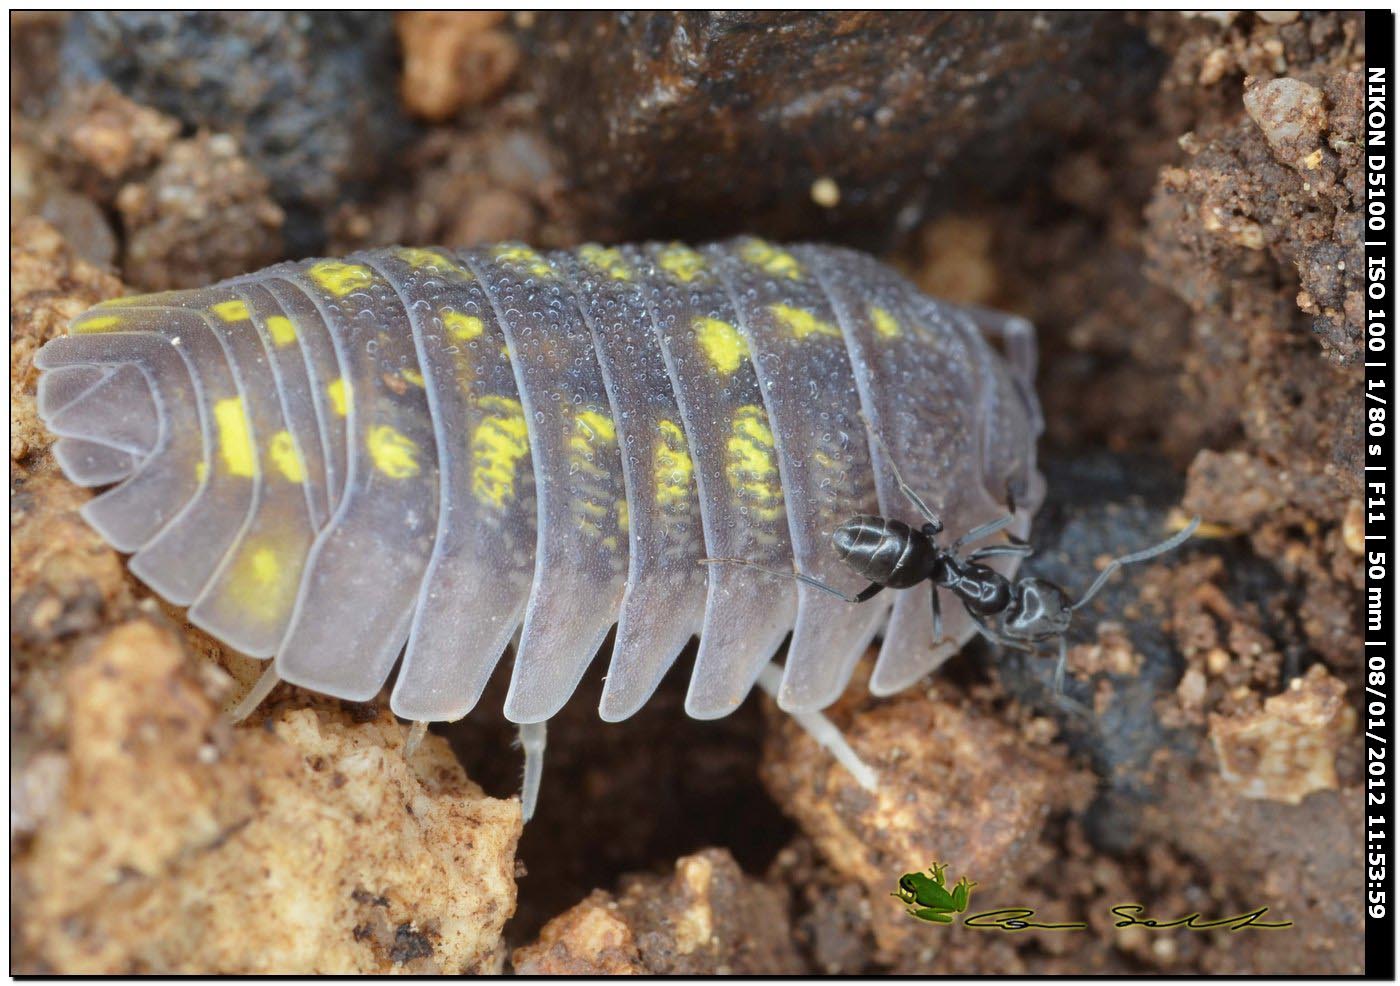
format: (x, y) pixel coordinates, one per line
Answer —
(927, 897)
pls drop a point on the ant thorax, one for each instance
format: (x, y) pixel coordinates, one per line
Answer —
(983, 591)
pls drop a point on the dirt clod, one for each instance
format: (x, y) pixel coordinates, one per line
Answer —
(169, 842)
(453, 60)
(204, 213)
(1289, 749)
(706, 918)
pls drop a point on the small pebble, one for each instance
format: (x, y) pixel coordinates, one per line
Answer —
(826, 193)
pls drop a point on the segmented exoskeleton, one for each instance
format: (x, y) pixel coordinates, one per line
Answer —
(425, 451)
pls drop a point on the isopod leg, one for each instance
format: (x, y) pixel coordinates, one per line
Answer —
(261, 689)
(824, 732)
(414, 739)
(1016, 335)
(532, 740)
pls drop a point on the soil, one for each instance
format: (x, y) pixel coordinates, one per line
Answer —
(1174, 201)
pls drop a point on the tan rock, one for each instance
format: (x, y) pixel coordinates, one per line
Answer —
(1289, 749)
(707, 919)
(173, 843)
(453, 59)
(956, 785)
(1292, 116)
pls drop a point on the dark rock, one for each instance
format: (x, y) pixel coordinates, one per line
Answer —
(716, 123)
(311, 97)
(1126, 647)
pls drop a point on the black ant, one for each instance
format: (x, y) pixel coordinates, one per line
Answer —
(1019, 615)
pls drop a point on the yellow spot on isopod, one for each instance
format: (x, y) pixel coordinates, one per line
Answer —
(282, 330)
(130, 300)
(751, 467)
(420, 257)
(499, 442)
(95, 323)
(681, 262)
(201, 471)
(606, 259)
(769, 259)
(461, 327)
(672, 467)
(412, 376)
(522, 257)
(802, 323)
(622, 515)
(339, 278)
(230, 311)
(235, 437)
(721, 342)
(592, 430)
(886, 325)
(264, 565)
(598, 424)
(394, 453)
(265, 580)
(282, 450)
(339, 393)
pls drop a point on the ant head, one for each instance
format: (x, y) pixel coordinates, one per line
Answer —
(1040, 610)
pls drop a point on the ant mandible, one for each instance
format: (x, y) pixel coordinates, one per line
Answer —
(1021, 615)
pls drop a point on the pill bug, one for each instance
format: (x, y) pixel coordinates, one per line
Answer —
(413, 455)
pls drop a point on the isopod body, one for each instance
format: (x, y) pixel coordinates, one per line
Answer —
(421, 453)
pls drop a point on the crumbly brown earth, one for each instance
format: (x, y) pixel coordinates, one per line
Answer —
(706, 918)
(1186, 235)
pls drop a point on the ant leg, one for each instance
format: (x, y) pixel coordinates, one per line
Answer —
(992, 550)
(824, 732)
(532, 740)
(983, 530)
(1061, 699)
(999, 524)
(1002, 641)
(1011, 509)
(1176, 539)
(1060, 666)
(868, 592)
(904, 487)
(937, 618)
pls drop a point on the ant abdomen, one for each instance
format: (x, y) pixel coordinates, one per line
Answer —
(883, 550)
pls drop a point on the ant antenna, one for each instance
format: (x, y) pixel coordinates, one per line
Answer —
(904, 487)
(865, 594)
(1176, 539)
